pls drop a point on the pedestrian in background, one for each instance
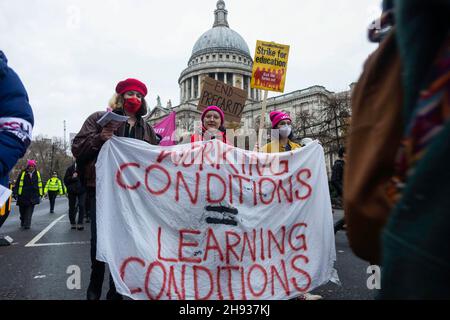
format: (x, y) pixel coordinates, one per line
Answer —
(28, 190)
(128, 100)
(337, 179)
(53, 187)
(77, 196)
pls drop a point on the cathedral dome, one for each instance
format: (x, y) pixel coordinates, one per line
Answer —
(220, 38)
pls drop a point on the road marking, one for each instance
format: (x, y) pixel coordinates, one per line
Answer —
(57, 244)
(32, 243)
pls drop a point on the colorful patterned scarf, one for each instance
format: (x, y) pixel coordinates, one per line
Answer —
(431, 114)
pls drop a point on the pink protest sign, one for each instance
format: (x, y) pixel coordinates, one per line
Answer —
(166, 129)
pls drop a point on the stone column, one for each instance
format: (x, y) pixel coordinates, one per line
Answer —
(192, 88)
(181, 92)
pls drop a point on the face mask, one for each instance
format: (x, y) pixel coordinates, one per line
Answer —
(132, 105)
(285, 131)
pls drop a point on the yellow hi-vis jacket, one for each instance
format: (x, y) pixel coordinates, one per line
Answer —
(54, 184)
(6, 208)
(22, 177)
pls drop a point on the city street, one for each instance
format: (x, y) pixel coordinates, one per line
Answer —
(35, 265)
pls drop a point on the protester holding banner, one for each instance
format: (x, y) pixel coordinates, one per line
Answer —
(28, 189)
(281, 121)
(128, 100)
(213, 120)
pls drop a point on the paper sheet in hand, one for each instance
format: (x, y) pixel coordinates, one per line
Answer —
(4, 195)
(111, 116)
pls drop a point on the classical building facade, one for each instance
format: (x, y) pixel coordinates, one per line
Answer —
(221, 53)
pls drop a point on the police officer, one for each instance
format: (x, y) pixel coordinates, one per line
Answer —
(52, 188)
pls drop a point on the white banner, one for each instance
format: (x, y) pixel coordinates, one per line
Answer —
(209, 221)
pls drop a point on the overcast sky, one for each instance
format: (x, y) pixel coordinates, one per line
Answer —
(70, 54)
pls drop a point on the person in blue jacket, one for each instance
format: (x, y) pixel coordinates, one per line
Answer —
(16, 121)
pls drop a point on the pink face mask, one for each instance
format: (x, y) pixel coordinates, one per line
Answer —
(132, 105)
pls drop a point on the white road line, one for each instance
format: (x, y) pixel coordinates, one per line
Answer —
(57, 244)
(43, 232)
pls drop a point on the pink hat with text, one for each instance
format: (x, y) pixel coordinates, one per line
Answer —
(277, 116)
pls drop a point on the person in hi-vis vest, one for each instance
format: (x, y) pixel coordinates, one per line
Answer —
(28, 189)
(52, 188)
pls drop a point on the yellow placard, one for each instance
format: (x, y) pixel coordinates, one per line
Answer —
(270, 66)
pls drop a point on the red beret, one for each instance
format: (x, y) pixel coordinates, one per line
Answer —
(131, 85)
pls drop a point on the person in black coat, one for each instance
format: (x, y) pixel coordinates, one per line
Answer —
(77, 196)
(337, 179)
(28, 190)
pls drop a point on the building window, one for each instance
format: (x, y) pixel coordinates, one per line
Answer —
(201, 59)
(230, 78)
(214, 56)
(207, 57)
(228, 56)
(220, 76)
(195, 87)
(220, 56)
(234, 57)
(240, 59)
(212, 75)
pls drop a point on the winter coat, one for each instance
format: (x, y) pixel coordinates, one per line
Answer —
(87, 143)
(32, 190)
(16, 119)
(337, 175)
(268, 147)
(371, 148)
(199, 137)
(74, 185)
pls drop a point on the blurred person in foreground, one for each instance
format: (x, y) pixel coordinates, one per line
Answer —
(16, 125)
(397, 196)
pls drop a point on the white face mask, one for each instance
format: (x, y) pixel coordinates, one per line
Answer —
(285, 131)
